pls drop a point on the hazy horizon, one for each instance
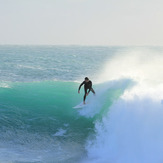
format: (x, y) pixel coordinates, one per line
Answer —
(81, 22)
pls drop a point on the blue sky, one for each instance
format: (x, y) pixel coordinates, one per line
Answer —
(81, 22)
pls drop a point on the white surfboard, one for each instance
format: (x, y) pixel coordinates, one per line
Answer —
(81, 105)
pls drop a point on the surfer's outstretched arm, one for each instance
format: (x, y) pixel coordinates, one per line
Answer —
(80, 86)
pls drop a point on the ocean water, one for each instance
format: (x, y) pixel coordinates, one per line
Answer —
(38, 89)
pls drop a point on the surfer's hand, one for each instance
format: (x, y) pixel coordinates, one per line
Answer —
(87, 94)
(78, 91)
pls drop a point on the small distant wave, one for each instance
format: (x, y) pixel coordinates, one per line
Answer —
(30, 67)
(4, 85)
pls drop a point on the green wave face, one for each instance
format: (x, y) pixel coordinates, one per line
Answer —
(40, 115)
(41, 106)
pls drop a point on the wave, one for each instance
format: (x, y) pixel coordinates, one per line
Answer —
(121, 124)
(38, 118)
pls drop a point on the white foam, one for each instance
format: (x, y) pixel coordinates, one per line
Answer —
(60, 132)
(131, 132)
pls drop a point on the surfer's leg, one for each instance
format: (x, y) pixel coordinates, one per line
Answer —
(84, 99)
(92, 90)
(85, 94)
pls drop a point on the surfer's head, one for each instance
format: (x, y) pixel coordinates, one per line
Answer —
(86, 79)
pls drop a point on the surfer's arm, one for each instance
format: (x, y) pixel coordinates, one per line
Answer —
(80, 85)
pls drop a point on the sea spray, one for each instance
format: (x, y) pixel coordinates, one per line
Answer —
(131, 132)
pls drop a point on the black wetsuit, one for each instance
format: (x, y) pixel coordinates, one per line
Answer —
(87, 85)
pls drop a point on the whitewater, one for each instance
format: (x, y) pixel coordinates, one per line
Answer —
(38, 90)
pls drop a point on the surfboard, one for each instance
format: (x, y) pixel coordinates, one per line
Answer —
(81, 105)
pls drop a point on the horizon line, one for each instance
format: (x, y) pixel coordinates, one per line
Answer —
(90, 45)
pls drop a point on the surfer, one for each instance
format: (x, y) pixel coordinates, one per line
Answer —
(87, 86)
